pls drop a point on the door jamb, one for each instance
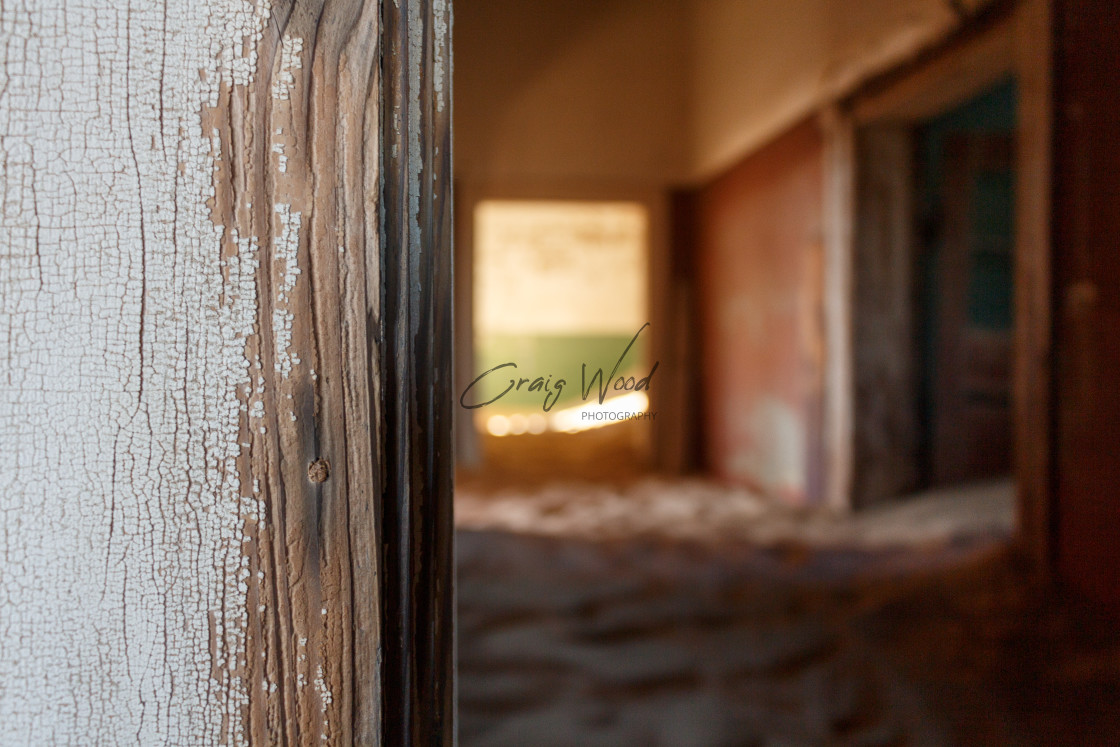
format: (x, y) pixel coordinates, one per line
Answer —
(414, 287)
(1016, 40)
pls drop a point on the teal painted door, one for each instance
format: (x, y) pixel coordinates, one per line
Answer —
(972, 383)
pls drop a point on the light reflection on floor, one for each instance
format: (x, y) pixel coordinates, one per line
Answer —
(701, 509)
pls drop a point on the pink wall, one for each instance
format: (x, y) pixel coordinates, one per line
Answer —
(758, 242)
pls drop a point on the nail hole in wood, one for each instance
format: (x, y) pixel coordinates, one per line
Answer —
(319, 470)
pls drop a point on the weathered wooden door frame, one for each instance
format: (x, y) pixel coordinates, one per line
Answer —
(1010, 38)
(226, 390)
(417, 636)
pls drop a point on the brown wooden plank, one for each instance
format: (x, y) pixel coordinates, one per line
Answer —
(296, 169)
(338, 157)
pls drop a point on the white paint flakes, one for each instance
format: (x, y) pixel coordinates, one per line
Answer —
(126, 315)
(441, 17)
(281, 159)
(286, 254)
(291, 59)
(287, 246)
(237, 61)
(321, 688)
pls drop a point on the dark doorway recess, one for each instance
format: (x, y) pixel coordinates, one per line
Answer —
(933, 306)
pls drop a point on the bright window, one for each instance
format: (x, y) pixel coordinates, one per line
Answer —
(557, 284)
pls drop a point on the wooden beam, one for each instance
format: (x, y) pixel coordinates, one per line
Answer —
(945, 77)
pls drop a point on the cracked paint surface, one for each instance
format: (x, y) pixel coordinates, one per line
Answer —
(125, 385)
(291, 59)
(286, 256)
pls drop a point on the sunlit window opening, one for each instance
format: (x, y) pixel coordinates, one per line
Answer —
(560, 289)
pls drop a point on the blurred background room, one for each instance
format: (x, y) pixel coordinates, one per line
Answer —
(816, 494)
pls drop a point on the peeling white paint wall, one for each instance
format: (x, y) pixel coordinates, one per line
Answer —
(122, 390)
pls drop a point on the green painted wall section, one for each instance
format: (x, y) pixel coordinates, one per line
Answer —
(555, 357)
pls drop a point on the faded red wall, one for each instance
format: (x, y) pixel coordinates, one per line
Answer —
(758, 243)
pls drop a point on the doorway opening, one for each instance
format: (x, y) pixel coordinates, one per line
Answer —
(560, 300)
(966, 178)
(933, 302)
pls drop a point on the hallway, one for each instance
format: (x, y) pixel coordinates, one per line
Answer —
(839, 258)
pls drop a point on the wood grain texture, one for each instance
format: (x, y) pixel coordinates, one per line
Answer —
(301, 169)
(417, 530)
(131, 311)
(226, 286)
